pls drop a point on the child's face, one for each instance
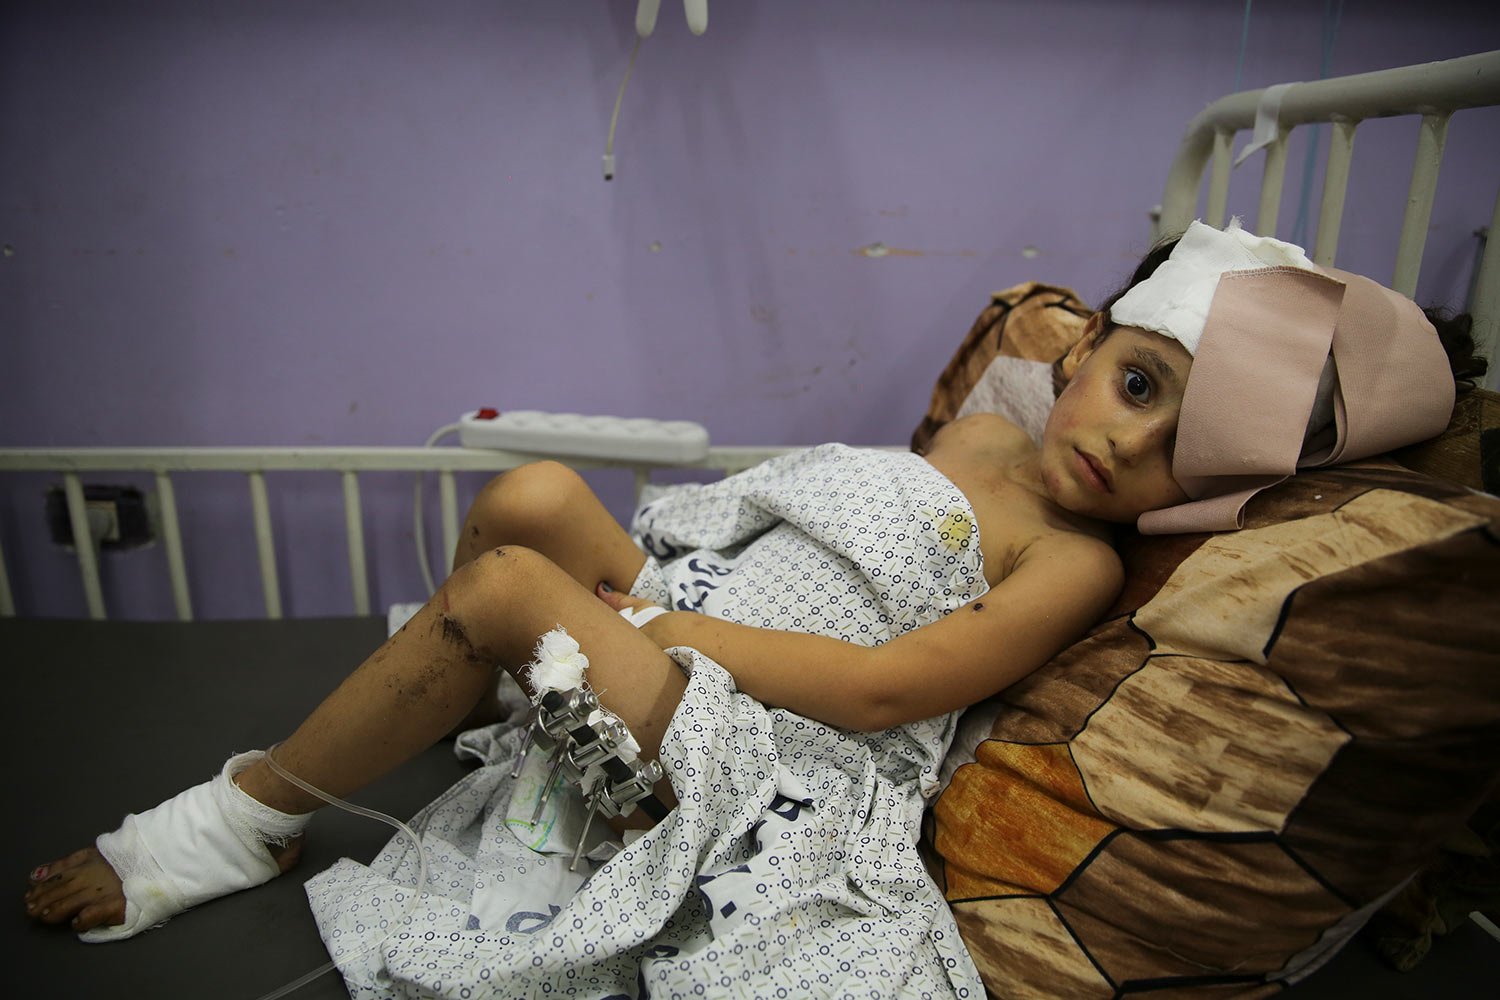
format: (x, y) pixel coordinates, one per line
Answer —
(1107, 449)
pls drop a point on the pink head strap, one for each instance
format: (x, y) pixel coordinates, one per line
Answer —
(1268, 337)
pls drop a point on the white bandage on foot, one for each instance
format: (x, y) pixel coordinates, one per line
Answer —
(204, 843)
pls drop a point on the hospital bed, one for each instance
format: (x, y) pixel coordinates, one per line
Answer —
(87, 738)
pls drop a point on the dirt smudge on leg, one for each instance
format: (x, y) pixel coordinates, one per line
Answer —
(453, 631)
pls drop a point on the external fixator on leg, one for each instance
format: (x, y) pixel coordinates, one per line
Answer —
(588, 745)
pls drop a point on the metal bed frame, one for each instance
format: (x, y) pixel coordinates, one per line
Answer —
(254, 463)
(1433, 91)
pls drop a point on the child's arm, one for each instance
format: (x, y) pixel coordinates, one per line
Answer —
(1057, 589)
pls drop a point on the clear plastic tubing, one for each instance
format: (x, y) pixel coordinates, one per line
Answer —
(333, 800)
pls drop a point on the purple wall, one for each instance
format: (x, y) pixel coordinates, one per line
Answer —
(327, 222)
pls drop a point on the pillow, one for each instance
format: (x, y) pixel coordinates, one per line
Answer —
(1005, 366)
(1005, 363)
(1271, 732)
(1468, 452)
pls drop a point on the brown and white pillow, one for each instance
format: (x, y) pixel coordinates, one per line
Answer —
(1005, 363)
(1270, 733)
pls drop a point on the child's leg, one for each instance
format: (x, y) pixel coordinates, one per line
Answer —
(422, 681)
(414, 689)
(546, 507)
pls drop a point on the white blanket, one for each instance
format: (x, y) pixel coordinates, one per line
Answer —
(790, 864)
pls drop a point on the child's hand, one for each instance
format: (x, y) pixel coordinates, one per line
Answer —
(619, 600)
(640, 612)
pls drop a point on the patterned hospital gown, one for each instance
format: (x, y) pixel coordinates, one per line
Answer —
(789, 868)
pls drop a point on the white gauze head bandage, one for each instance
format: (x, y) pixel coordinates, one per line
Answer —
(1294, 366)
(1174, 301)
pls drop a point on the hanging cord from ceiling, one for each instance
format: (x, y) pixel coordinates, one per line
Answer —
(609, 145)
(1331, 15)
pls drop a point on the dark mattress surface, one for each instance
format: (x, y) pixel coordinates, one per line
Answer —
(105, 718)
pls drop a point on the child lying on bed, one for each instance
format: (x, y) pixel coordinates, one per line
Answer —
(873, 592)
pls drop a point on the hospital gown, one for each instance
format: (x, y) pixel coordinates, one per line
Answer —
(789, 867)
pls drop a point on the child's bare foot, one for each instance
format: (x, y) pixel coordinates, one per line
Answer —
(81, 888)
(84, 890)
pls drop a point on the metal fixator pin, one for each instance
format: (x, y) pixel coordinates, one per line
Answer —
(553, 713)
(515, 772)
(588, 821)
(559, 755)
(616, 790)
(591, 748)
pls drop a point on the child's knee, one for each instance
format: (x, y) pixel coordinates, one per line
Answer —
(497, 575)
(531, 496)
(478, 606)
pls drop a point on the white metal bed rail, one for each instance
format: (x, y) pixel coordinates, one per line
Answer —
(254, 463)
(1432, 90)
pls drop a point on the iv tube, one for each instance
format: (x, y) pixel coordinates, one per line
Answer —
(334, 800)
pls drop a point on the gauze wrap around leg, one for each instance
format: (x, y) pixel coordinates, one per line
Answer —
(204, 843)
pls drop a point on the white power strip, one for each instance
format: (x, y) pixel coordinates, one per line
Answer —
(619, 438)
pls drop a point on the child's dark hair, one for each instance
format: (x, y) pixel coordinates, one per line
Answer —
(1454, 330)
(1154, 258)
(1457, 334)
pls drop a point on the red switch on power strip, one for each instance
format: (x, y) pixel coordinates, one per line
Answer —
(488, 413)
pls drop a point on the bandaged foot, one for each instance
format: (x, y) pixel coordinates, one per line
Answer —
(206, 842)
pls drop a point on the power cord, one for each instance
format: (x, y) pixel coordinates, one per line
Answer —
(334, 800)
(419, 534)
(609, 145)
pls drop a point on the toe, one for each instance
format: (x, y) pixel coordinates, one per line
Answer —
(78, 857)
(50, 892)
(80, 880)
(105, 913)
(51, 873)
(62, 907)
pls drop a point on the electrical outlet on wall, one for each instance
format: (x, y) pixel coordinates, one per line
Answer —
(120, 517)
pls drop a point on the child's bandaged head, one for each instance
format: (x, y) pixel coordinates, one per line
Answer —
(1293, 366)
(1175, 300)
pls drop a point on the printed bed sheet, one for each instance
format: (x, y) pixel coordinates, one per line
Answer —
(790, 866)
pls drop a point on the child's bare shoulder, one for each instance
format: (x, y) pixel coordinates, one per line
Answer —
(979, 433)
(1073, 541)
(1075, 557)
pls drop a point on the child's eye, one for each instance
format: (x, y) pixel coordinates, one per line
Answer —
(1137, 385)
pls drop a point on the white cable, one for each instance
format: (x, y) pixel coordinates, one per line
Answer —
(609, 145)
(419, 534)
(298, 983)
(334, 800)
